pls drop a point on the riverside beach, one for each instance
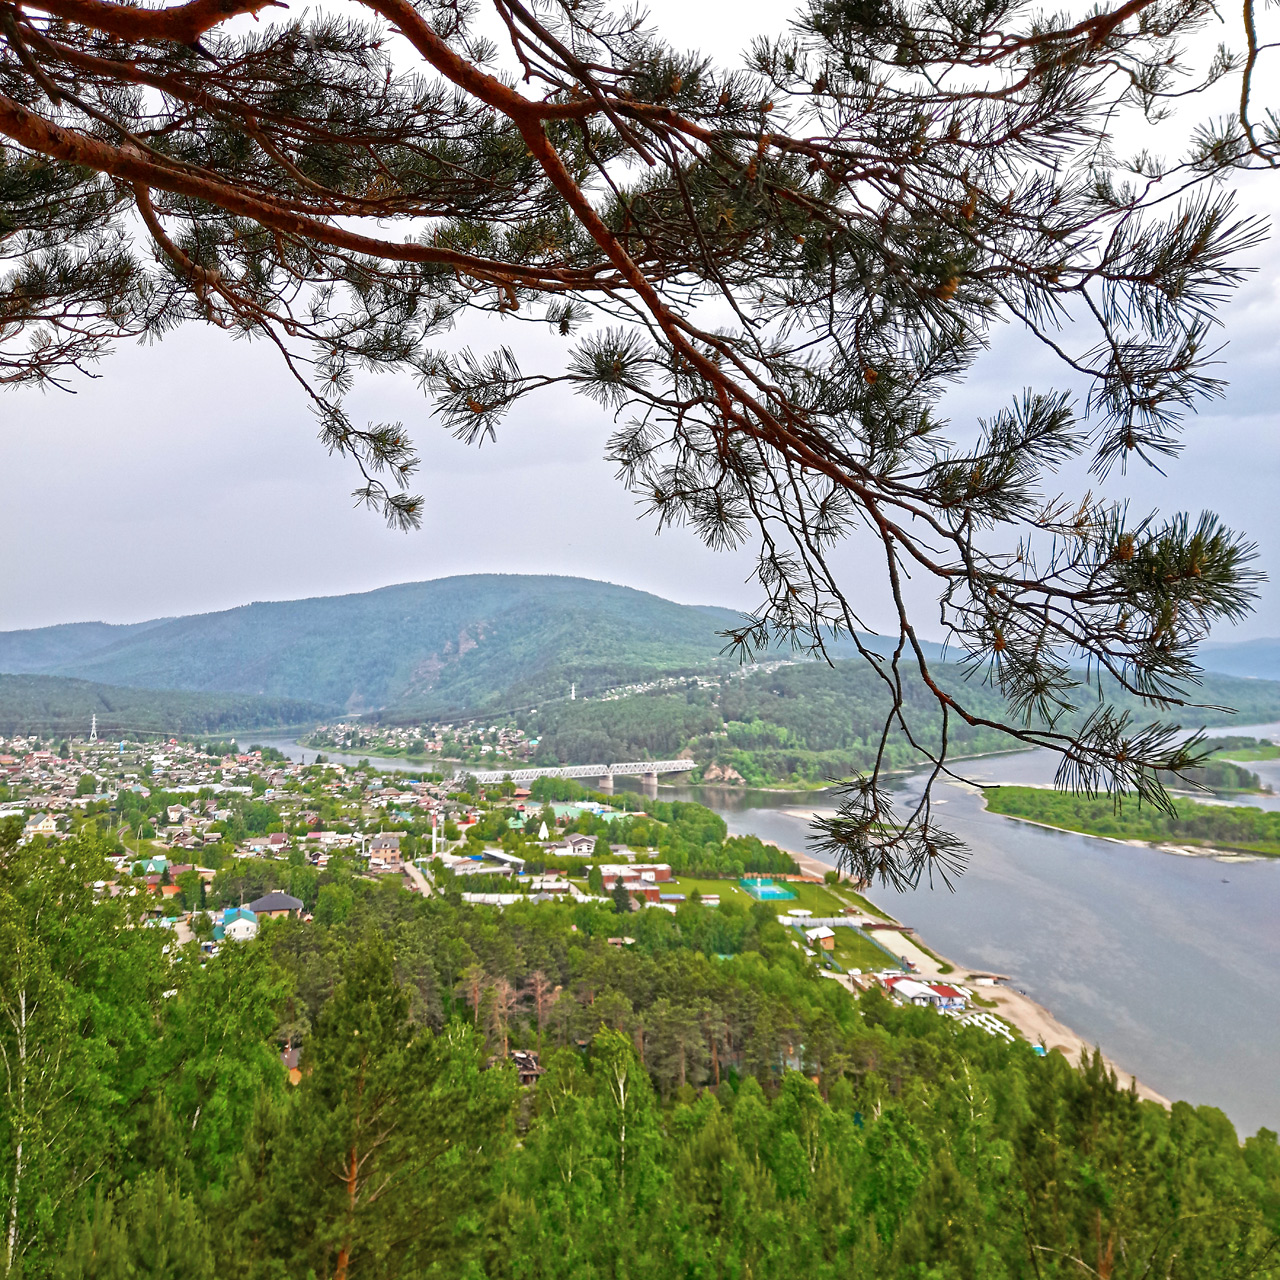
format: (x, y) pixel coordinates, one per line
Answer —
(1036, 1024)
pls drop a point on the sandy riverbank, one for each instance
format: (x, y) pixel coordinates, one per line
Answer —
(1033, 1020)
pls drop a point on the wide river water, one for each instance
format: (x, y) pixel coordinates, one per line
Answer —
(1171, 964)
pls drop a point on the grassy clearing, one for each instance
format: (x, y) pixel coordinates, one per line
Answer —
(860, 903)
(728, 890)
(815, 897)
(854, 950)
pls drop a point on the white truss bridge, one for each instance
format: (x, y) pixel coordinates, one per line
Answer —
(644, 767)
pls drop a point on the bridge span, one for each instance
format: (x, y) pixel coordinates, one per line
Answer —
(643, 767)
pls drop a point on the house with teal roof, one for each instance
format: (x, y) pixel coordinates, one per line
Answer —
(238, 924)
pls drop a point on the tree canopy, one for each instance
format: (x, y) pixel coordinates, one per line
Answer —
(766, 274)
(708, 1106)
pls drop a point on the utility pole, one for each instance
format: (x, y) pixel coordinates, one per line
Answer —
(573, 692)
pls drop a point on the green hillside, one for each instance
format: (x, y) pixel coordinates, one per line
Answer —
(502, 644)
(808, 722)
(453, 644)
(55, 705)
(449, 647)
(41, 649)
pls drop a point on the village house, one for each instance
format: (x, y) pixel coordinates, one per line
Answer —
(41, 824)
(289, 1059)
(909, 991)
(574, 846)
(527, 1067)
(949, 997)
(548, 884)
(937, 995)
(821, 937)
(631, 873)
(384, 853)
(238, 924)
(276, 904)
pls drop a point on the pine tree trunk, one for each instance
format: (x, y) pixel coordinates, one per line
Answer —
(344, 1253)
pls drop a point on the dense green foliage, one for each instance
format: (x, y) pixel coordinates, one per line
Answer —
(1211, 825)
(1235, 747)
(49, 705)
(1223, 776)
(698, 1117)
(807, 722)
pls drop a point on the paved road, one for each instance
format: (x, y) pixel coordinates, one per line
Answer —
(418, 879)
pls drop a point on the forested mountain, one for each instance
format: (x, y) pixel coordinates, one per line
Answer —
(710, 1108)
(495, 644)
(454, 645)
(55, 705)
(809, 722)
(43, 648)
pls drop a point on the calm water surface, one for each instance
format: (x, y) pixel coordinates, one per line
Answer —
(1172, 964)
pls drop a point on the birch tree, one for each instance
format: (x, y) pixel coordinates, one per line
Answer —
(78, 981)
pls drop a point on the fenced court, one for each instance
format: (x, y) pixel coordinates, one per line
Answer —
(765, 890)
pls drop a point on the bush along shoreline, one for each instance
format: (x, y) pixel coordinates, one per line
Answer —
(1211, 827)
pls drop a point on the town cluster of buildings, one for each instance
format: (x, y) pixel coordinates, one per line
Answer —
(47, 783)
(366, 813)
(445, 741)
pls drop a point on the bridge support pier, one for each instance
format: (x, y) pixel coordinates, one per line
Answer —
(649, 785)
(606, 784)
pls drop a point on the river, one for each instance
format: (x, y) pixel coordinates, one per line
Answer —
(1171, 964)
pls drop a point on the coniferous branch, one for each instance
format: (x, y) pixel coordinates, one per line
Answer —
(768, 275)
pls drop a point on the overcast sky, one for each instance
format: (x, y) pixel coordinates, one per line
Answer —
(187, 478)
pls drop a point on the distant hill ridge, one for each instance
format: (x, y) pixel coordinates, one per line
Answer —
(63, 706)
(459, 645)
(1253, 659)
